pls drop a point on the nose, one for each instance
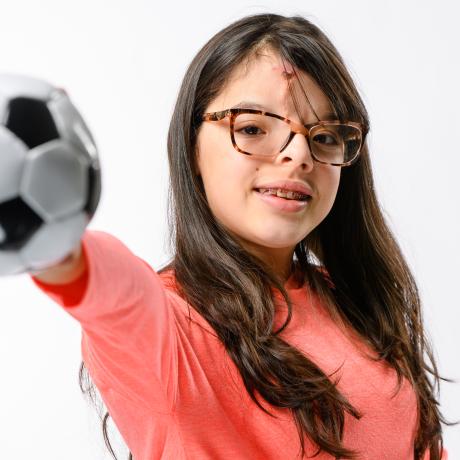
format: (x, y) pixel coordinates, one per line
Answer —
(298, 151)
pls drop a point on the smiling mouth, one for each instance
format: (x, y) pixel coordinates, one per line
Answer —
(284, 205)
(288, 196)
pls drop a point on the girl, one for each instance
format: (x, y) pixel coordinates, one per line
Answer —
(288, 322)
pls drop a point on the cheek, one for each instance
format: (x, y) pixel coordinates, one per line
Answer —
(226, 177)
(226, 191)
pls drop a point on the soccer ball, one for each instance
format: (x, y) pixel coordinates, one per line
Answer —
(50, 178)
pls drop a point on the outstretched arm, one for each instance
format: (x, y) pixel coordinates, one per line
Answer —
(129, 335)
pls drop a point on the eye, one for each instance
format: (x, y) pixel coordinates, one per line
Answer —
(325, 138)
(250, 130)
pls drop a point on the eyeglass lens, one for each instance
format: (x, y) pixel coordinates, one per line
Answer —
(265, 136)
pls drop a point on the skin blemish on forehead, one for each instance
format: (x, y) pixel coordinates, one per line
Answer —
(286, 71)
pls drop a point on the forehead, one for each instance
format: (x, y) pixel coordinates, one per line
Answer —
(265, 78)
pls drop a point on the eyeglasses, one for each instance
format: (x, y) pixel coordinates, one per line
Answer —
(265, 134)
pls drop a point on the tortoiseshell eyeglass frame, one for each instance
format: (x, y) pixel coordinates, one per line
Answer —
(295, 129)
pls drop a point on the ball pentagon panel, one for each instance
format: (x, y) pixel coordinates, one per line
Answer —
(19, 222)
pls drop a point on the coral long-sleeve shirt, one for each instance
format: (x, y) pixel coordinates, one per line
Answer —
(173, 391)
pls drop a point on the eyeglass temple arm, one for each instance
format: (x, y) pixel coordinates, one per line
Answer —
(215, 116)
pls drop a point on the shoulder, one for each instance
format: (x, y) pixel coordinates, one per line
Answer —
(185, 311)
(168, 279)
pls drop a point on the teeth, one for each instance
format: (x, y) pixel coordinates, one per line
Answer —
(289, 194)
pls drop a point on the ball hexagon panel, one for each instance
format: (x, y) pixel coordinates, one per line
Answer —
(14, 85)
(55, 180)
(52, 241)
(12, 157)
(18, 222)
(10, 263)
(70, 123)
(4, 101)
(72, 127)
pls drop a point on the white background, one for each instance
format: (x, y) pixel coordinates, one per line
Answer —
(122, 64)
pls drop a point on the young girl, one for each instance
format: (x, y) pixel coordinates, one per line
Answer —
(288, 322)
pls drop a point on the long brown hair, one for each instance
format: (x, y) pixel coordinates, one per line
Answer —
(372, 290)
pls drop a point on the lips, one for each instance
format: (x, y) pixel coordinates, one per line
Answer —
(287, 185)
(283, 205)
(285, 194)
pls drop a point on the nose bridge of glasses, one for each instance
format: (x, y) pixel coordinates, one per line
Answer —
(296, 128)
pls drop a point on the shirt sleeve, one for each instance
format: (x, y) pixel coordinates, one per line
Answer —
(68, 294)
(129, 339)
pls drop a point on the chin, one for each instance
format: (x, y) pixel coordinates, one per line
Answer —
(276, 243)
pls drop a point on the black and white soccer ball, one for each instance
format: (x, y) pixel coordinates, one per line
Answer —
(50, 178)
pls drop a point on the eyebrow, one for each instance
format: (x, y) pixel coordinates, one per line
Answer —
(254, 105)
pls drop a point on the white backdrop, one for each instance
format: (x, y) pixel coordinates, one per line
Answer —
(122, 64)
